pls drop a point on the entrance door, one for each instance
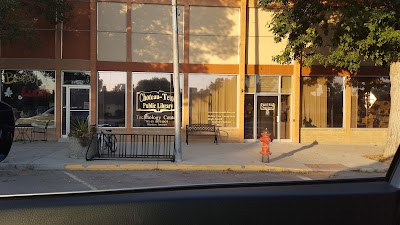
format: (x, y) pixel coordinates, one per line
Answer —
(76, 106)
(267, 115)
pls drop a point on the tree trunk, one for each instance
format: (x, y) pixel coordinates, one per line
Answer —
(393, 135)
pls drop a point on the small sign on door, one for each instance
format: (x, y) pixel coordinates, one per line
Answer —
(267, 106)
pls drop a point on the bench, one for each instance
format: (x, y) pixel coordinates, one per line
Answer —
(203, 130)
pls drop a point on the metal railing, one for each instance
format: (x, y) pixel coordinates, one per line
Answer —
(132, 146)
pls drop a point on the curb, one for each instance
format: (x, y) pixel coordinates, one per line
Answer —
(9, 166)
(177, 167)
(372, 170)
(187, 167)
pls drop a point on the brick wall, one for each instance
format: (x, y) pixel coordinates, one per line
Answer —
(377, 135)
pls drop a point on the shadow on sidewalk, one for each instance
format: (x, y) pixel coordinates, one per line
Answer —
(284, 155)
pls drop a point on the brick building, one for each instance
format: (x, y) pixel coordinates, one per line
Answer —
(112, 63)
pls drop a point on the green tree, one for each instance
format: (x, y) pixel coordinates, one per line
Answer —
(154, 84)
(343, 34)
(18, 18)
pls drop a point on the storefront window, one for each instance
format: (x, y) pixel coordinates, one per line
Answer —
(212, 99)
(31, 94)
(322, 101)
(111, 98)
(370, 102)
(153, 99)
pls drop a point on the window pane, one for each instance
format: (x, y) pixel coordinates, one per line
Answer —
(112, 16)
(322, 101)
(212, 99)
(111, 46)
(152, 33)
(154, 48)
(285, 117)
(249, 116)
(76, 78)
(370, 102)
(153, 99)
(64, 111)
(286, 83)
(267, 84)
(31, 94)
(250, 85)
(111, 98)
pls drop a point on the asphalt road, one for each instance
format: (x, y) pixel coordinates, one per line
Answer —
(33, 181)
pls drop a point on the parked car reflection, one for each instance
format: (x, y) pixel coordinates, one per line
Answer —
(39, 120)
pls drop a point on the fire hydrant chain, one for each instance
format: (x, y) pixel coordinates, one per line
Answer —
(265, 139)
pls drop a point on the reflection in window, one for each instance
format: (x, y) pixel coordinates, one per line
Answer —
(250, 84)
(212, 99)
(31, 94)
(286, 84)
(111, 98)
(322, 101)
(267, 84)
(76, 78)
(370, 102)
(153, 99)
(111, 31)
(285, 116)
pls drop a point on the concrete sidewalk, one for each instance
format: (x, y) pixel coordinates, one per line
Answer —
(286, 157)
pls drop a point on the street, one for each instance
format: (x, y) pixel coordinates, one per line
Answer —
(50, 181)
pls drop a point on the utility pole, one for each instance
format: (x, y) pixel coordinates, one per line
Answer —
(177, 94)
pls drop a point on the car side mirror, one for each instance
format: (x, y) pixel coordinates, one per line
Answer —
(7, 128)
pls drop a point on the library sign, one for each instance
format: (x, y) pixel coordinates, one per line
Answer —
(154, 101)
(157, 108)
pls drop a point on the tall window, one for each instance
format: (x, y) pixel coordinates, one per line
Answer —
(111, 31)
(31, 94)
(370, 102)
(212, 99)
(152, 33)
(322, 101)
(153, 99)
(111, 98)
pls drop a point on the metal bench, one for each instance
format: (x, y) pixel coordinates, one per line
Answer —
(202, 130)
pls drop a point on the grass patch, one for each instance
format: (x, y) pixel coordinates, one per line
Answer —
(380, 158)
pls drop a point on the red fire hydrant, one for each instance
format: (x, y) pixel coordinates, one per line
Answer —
(265, 140)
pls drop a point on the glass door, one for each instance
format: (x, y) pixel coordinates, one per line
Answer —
(77, 106)
(267, 115)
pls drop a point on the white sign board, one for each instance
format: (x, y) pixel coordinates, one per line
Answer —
(267, 106)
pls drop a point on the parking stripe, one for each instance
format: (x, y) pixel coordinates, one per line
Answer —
(303, 177)
(93, 188)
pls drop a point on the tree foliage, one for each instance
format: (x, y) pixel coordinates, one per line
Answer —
(18, 18)
(154, 84)
(337, 33)
(343, 34)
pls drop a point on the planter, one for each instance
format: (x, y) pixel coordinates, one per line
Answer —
(76, 150)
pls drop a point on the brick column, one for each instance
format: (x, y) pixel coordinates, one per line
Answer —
(242, 67)
(93, 61)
